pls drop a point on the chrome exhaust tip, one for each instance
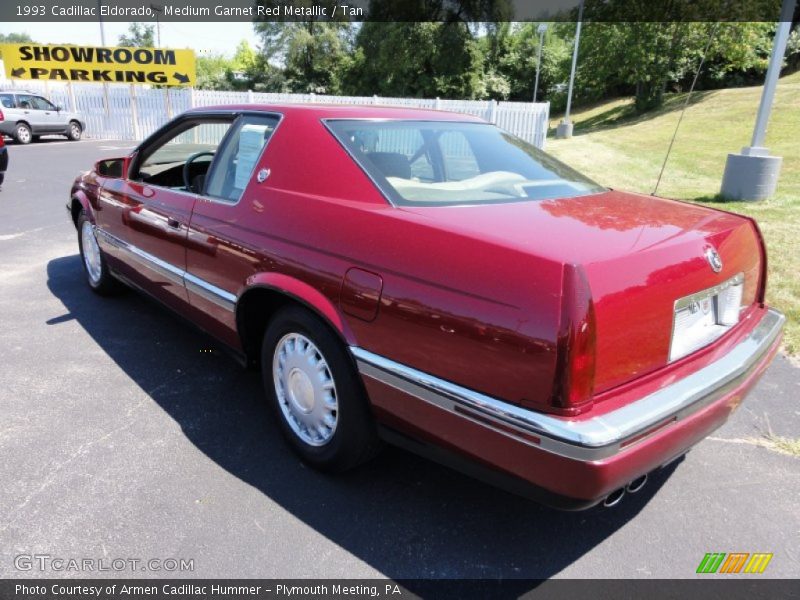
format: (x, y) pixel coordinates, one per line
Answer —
(637, 484)
(614, 498)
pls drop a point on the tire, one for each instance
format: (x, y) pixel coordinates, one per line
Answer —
(74, 131)
(99, 278)
(312, 385)
(23, 133)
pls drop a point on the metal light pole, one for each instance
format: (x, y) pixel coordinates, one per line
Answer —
(564, 129)
(100, 19)
(106, 102)
(541, 29)
(158, 10)
(753, 173)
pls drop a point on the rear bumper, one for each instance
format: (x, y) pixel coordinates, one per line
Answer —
(577, 458)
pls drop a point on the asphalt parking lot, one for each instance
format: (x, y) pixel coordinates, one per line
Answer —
(122, 436)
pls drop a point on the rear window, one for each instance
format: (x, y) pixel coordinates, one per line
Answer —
(441, 163)
(7, 100)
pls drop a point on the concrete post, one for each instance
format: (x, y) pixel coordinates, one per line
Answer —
(753, 173)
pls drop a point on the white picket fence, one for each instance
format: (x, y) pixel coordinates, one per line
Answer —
(134, 112)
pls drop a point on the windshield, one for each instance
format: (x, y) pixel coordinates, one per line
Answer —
(441, 163)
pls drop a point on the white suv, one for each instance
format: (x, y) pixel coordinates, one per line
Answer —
(25, 116)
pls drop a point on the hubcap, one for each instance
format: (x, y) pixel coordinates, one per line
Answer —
(305, 389)
(76, 131)
(23, 134)
(91, 252)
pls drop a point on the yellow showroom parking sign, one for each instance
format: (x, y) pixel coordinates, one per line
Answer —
(93, 64)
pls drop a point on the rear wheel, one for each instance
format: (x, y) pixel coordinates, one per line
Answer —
(74, 131)
(313, 387)
(94, 263)
(23, 133)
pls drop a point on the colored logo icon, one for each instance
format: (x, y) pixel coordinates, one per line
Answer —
(734, 562)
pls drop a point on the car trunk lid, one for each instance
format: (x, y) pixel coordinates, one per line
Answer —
(640, 255)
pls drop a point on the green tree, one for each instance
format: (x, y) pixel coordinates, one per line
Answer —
(14, 38)
(138, 35)
(511, 52)
(314, 54)
(662, 46)
(245, 56)
(212, 72)
(416, 59)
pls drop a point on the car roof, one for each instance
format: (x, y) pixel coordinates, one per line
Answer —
(348, 111)
(18, 91)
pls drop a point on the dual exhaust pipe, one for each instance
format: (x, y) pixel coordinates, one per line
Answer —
(616, 496)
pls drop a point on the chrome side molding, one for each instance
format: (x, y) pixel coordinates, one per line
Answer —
(210, 292)
(593, 438)
(175, 274)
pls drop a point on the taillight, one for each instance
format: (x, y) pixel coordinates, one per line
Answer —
(762, 280)
(2, 116)
(577, 340)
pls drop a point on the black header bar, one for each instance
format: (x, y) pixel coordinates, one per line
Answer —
(388, 10)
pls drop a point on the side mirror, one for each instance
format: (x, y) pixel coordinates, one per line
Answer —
(59, 108)
(114, 168)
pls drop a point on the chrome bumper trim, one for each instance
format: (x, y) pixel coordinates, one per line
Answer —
(597, 437)
(169, 271)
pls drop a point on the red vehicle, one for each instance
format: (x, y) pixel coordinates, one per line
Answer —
(426, 278)
(3, 159)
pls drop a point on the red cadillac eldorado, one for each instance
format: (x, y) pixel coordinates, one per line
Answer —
(428, 279)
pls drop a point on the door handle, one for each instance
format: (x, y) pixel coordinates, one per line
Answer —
(174, 223)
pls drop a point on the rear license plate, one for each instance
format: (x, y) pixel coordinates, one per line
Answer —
(701, 318)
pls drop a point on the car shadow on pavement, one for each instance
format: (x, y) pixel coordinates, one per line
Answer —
(402, 515)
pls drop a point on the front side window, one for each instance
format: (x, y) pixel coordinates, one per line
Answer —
(40, 103)
(194, 142)
(464, 163)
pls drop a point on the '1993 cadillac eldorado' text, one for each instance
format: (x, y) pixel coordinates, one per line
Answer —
(428, 279)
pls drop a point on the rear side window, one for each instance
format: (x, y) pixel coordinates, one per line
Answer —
(448, 162)
(25, 101)
(7, 100)
(237, 158)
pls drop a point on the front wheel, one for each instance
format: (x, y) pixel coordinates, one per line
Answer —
(98, 276)
(74, 131)
(312, 385)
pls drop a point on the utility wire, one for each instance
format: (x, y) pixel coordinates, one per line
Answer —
(686, 105)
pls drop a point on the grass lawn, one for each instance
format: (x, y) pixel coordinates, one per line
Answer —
(623, 150)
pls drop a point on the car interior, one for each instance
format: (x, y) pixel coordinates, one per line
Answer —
(426, 165)
(183, 162)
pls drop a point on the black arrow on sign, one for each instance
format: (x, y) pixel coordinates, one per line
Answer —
(181, 78)
(18, 72)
